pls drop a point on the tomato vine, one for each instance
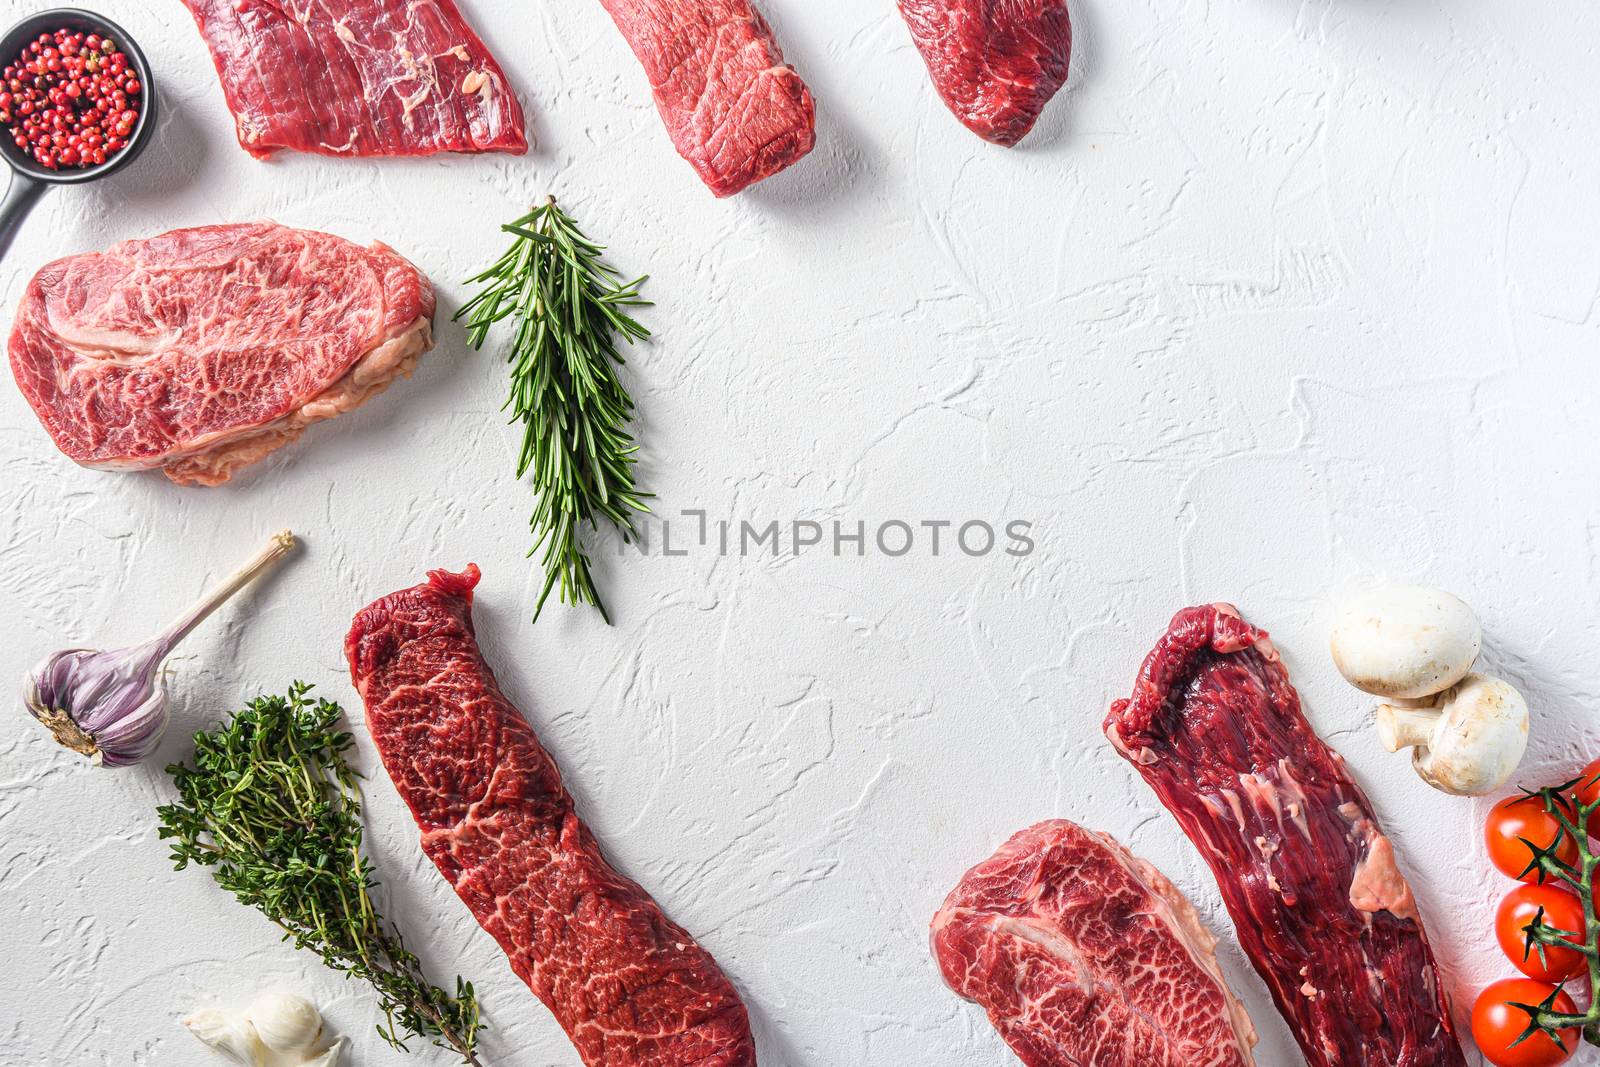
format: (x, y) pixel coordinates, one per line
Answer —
(1566, 804)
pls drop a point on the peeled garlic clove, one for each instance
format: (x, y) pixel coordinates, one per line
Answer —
(229, 1034)
(329, 1058)
(285, 1022)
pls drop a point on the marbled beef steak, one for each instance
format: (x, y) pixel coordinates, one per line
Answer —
(1085, 956)
(1215, 727)
(202, 350)
(628, 985)
(995, 63)
(734, 109)
(358, 77)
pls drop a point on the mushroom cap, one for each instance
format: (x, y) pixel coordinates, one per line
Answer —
(1479, 739)
(1405, 641)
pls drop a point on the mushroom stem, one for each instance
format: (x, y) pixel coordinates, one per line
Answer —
(1401, 727)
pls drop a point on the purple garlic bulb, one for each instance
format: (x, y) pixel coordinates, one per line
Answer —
(112, 706)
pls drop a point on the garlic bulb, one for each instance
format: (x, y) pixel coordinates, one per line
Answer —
(112, 706)
(285, 1022)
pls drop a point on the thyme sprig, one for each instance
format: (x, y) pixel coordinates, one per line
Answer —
(1572, 814)
(568, 308)
(272, 808)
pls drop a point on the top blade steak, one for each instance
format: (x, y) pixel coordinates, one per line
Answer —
(202, 350)
(1086, 956)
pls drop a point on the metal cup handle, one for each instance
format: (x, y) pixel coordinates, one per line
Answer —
(20, 198)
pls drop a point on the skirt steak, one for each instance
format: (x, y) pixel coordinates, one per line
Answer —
(202, 350)
(627, 984)
(1085, 956)
(1322, 911)
(358, 77)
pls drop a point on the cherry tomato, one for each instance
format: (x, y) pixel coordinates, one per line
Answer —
(1496, 1025)
(1587, 791)
(1513, 823)
(1562, 910)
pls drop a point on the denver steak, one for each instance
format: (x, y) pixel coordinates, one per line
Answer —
(734, 109)
(995, 63)
(202, 350)
(1085, 956)
(628, 985)
(358, 77)
(1321, 908)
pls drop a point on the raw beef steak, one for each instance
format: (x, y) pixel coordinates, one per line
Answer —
(202, 350)
(735, 110)
(629, 986)
(996, 63)
(1085, 956)
(1322, 911)
(358, 77)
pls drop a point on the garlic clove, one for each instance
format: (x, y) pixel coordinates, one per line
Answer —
(329, 1058)
(229, 1034)
(285, 1022)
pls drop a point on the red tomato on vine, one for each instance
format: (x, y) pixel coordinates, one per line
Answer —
(1586, 792)
(1515, 824)
(1554, 907)
(1498, 1024)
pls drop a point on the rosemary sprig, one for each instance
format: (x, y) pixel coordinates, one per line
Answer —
(568, 308)
(273, 809)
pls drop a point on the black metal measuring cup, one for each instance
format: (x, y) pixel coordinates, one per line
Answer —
(28, 179)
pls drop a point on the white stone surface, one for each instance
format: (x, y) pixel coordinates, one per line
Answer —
(1281, 299)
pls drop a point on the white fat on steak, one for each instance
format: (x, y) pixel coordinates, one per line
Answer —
(213, 464)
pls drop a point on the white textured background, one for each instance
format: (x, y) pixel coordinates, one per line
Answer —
(1281, 298)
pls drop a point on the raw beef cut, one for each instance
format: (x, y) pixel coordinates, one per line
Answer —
(734, 109)
(1322, 911)
(996, 63)
(628, 985)
(202, 350)
(358, 77)
(1085, 956)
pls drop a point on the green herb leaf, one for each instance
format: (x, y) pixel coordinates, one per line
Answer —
(566, 305)
(272, 808)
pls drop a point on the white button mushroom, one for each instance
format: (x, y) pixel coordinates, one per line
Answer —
(1405, 642)
(1466, 740)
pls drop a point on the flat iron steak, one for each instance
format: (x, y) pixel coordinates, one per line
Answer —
(358, 77)
(200, 351)
(629, 986)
